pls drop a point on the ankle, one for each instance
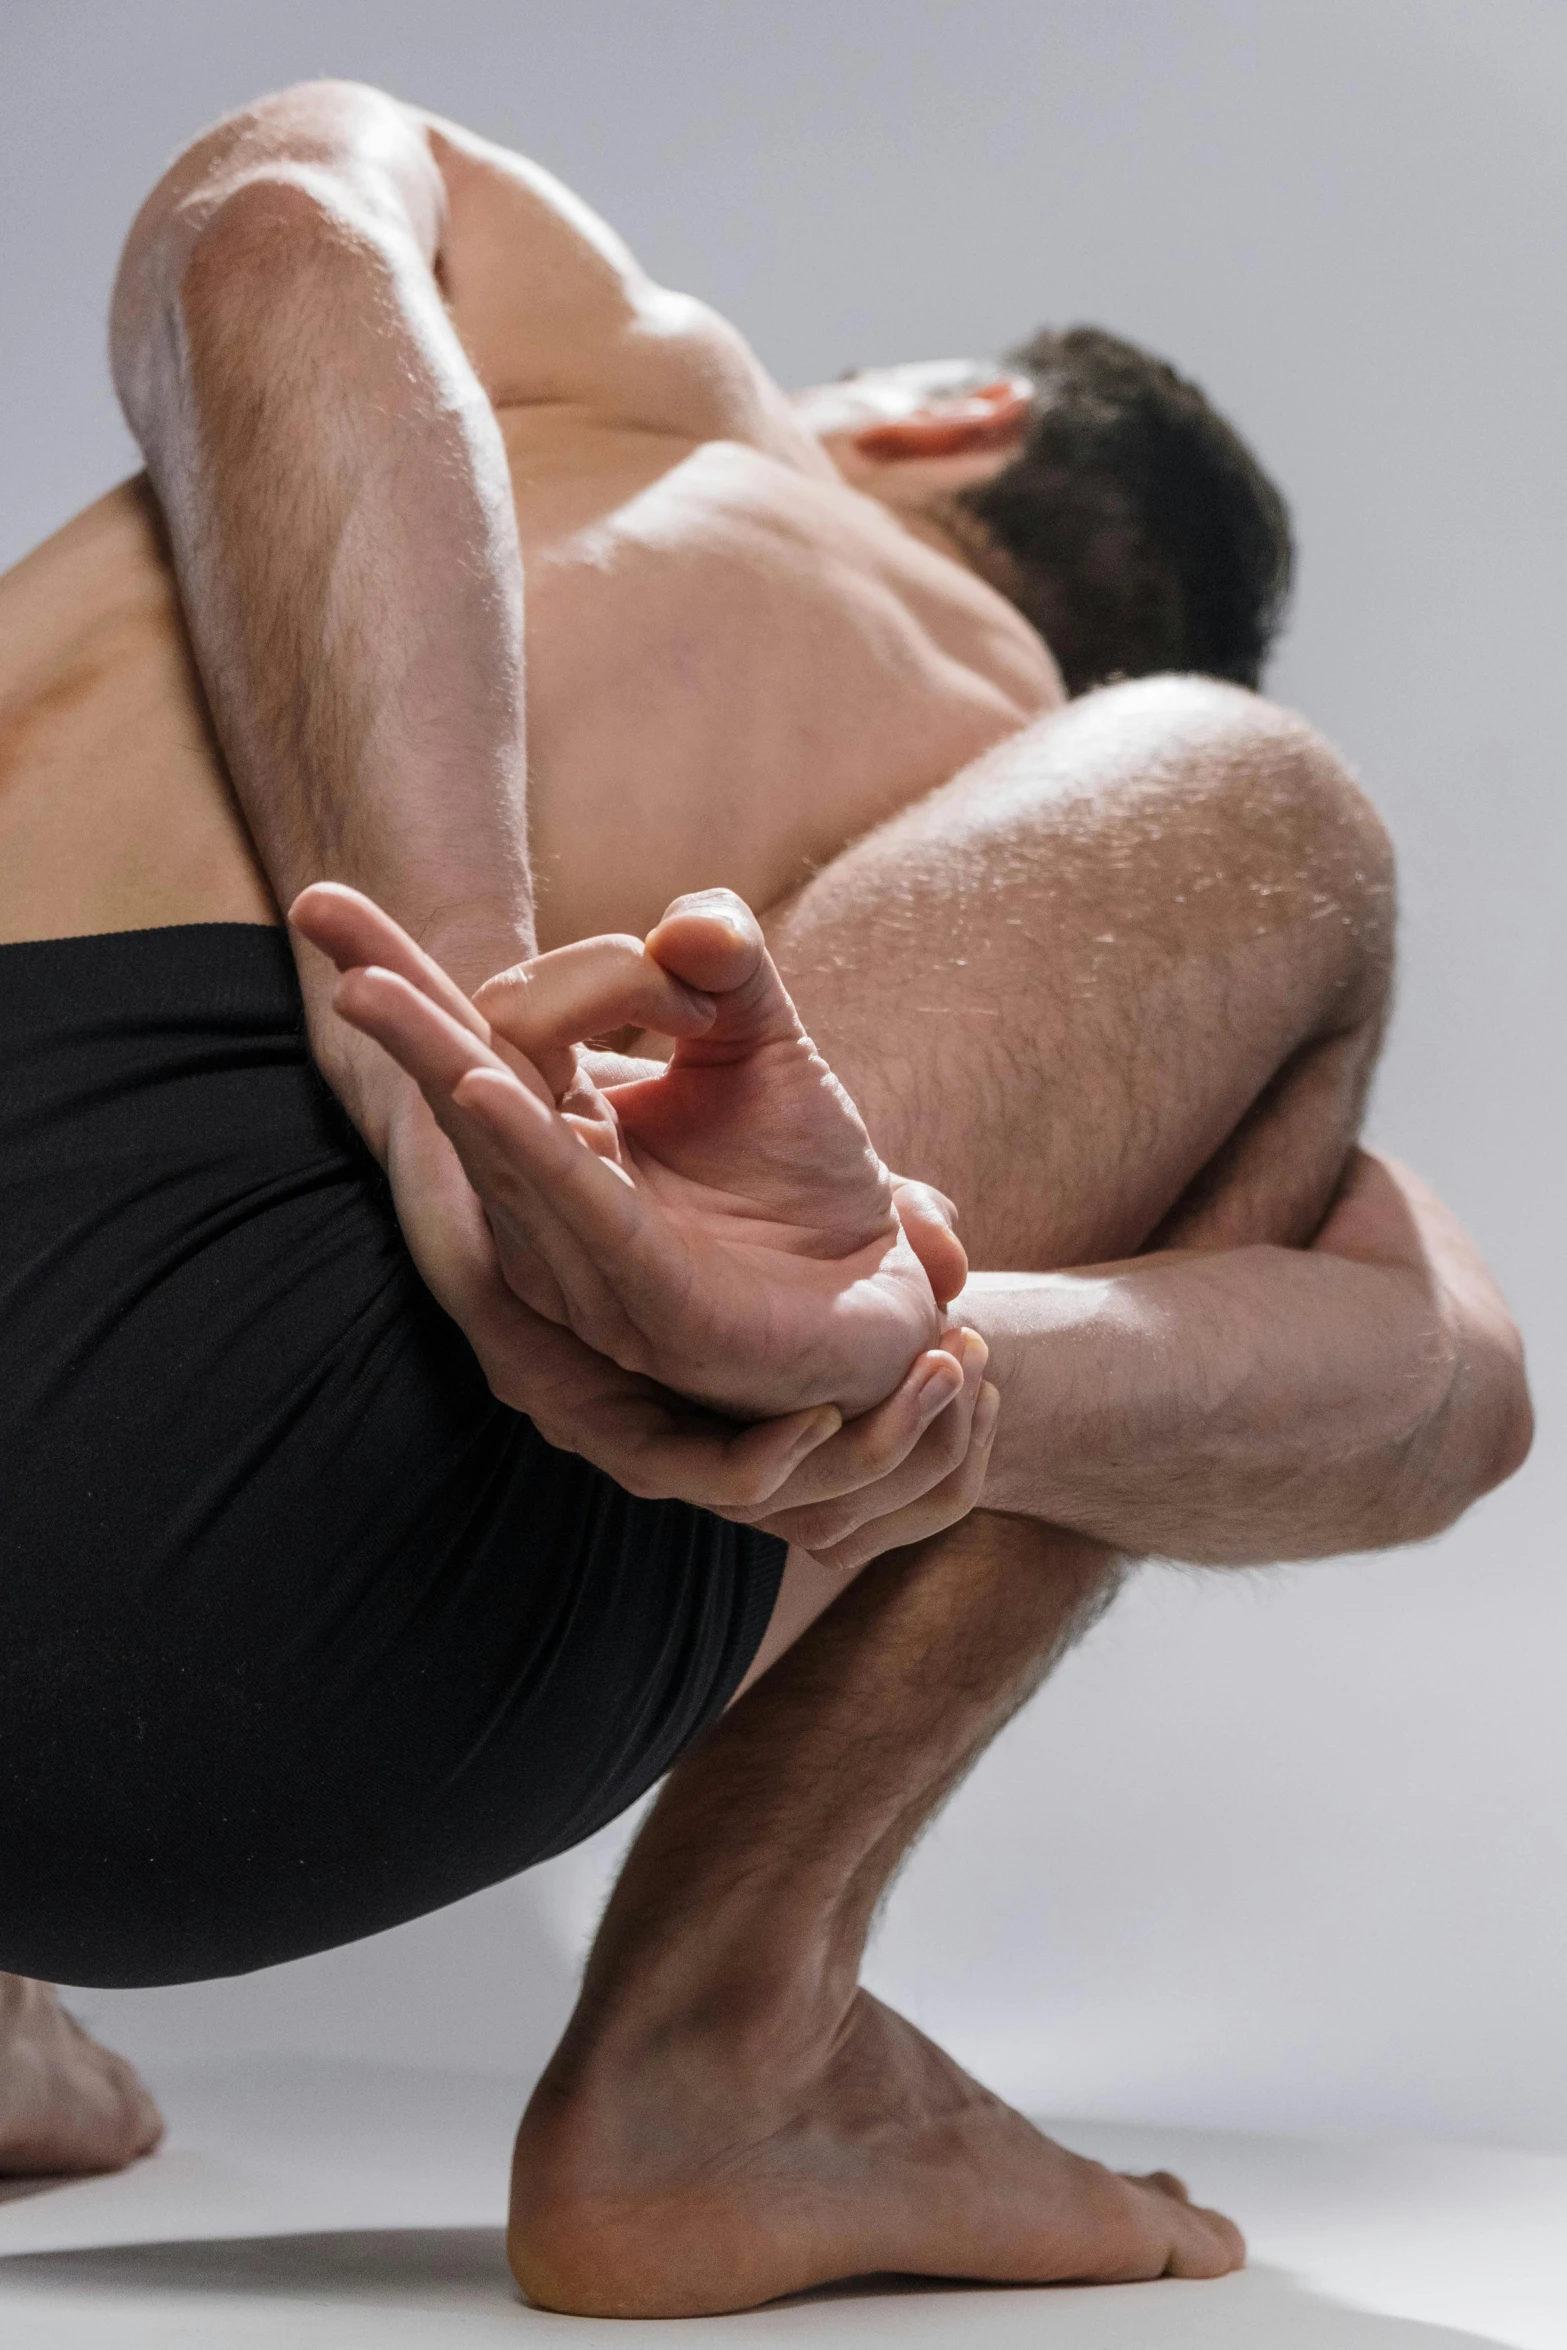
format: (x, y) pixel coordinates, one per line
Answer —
(744, 1970)
(26, 2007)
(749, 2029)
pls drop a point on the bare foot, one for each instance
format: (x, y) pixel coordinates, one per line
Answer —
(66, 2105)
(690, 2180)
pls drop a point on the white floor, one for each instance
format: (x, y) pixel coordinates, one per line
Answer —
(336, 2206)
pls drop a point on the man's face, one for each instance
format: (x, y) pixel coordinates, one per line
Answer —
(903, 434)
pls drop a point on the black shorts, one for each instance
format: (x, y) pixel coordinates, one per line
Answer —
(301, 1632)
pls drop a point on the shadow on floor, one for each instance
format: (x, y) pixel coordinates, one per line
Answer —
(463, 2270)
(424, 2265)
(49, 2183)
(1261, 2309)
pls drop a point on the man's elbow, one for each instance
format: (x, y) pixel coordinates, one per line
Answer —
(1512, 1436)
(323, 123)
(283, 167)
(266, 227)
(198, 278)
(1482, 1437)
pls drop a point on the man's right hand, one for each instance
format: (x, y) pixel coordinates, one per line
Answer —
(724, 1227)
(894, 1475)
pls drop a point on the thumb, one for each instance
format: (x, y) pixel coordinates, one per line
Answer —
(713, 941)
(929, 1221)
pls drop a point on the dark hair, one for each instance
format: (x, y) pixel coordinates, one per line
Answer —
(1135, 529)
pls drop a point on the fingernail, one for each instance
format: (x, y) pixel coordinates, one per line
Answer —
(821, 1425)
(937, 1389)
(976, 1354)
(986, 1413)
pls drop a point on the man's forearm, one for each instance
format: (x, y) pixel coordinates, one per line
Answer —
(339, 507)
(1248, 1405)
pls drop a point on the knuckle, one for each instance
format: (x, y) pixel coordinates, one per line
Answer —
(504, 1003)
(969, 1482)
(955, 1507)
(646, 1479)
(952, 1434)
(820, 1527)
(879, 1452)
(502, 984)
(943, 1447)
(739, 1487)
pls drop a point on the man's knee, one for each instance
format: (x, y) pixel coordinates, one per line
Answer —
(1331, 837)
(1271, 813)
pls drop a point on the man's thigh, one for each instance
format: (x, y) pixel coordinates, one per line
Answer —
(1147, 938)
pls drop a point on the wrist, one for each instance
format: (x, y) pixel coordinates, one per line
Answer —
(372, 1089)
(475, 941)
(470, 945)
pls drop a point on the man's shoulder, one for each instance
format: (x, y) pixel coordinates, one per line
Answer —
(555, 309)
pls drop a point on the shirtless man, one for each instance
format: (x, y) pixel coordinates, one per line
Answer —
(1111, 972)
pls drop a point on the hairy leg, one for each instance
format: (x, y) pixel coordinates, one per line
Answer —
(66, 2105)
(729, 2116)
(1124, 979)
(1128, 971)
(1120, 984)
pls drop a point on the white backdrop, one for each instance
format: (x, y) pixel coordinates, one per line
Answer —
(1273, 1851)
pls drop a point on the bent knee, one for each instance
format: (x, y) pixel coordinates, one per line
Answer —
(1271, 807)
(1225, 741)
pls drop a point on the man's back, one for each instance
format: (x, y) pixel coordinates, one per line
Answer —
(735, 662)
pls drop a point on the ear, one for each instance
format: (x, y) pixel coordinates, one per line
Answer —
(969, 423)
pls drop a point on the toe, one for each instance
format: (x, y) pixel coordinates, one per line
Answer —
(141, 2125)
(1165, 2182)
(1209, 2245)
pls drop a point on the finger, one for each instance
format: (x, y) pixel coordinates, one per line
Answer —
(434, 1045)
(940, 1447)
(353, 930)
(930, 1220)
(713, 941)
(935, 1511)
(655, 1444)
(936, 1204)
(544, 1264)
(696, 1457)
(1203, 2243)
(628, 1268)
(850, 1478)
(943, 1506)
(912, 1439)
(591, 988)
(710, 938)
(573, 1232)
(440, 1056)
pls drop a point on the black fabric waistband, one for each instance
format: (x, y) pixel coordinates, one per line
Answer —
(197, 970)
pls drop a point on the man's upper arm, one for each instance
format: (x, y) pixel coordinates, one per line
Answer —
(550, 305)
(354, 151)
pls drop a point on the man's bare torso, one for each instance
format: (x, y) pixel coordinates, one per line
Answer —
(735, 662)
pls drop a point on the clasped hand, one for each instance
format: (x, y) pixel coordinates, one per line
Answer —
(701, 1277)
